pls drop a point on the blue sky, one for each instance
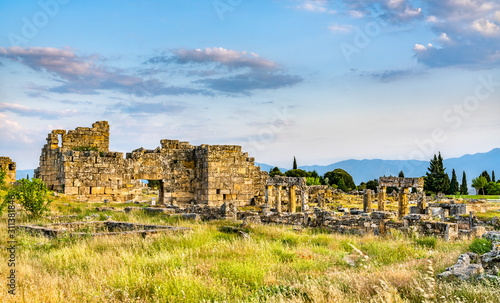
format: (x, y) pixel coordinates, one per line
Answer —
(320, 80)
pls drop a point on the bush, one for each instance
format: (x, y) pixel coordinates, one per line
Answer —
(480, 246)
(32, 195)
(3, 176)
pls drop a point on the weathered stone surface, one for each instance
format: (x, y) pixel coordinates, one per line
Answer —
(493, 236)
(205, 174)
(491, 260)
(7, 165)
(401, 182)
(383, 215)
(194, 217)
(463, 270)
(417, 217)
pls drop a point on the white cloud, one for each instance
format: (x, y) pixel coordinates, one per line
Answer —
(431, 19)
(419, 48)
(443, 38)
(13, 131)
(345, 28)
(226, 57)
(317, 6)
(486, 28)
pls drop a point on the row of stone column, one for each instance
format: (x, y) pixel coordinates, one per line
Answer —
(292, 205)
(403, 209)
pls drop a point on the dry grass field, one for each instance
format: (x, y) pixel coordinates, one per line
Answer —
(276, 264)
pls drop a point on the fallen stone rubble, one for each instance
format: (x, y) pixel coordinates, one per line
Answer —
(472, 266)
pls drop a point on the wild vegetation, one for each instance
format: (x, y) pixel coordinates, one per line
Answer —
(276, 264)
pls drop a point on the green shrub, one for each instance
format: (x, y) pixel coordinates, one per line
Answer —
(32, 195)
(3, 176)
(480, 246)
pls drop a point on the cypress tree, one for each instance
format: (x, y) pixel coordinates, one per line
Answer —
(436, 180)
(493, 176)
(454, 186)
(463, 188)
(294, 163)
(401, 174)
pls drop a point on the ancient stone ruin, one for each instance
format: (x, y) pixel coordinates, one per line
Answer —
(291, 185)
(7, 165)
(78, 163)
(403, 184)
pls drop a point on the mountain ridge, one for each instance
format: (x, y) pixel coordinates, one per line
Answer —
(369, 169)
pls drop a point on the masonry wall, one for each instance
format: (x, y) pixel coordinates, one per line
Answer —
(59, 143)
(188, 174)
(7, 165)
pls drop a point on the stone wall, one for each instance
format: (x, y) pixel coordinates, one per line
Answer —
(206, 174)
(7, 165)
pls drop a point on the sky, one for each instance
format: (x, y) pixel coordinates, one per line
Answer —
(320, 80)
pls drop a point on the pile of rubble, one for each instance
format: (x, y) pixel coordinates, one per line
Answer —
(471, 265)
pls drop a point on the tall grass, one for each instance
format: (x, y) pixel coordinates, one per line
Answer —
(276, 264)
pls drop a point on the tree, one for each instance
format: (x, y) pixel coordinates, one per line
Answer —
(401, 174)
(486, 175)
(342, 186)
(464, 190)
(454, 186)
(296, 173)
(372, 184)
(436, 180)
(294, 163)
(275, 172)
(493, 176)
(313, 181)
(493, 188)
(338, 174)
(362, 186)
(32, 194)
(154, 183)
(479, 183)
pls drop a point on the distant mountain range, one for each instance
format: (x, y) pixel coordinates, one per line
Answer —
(365, 170)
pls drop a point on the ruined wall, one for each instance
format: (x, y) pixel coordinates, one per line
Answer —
(202, 174)
(60, 142)
(7, 165)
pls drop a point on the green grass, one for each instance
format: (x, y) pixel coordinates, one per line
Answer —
(276, 264)
(493, 197)
(480, 246)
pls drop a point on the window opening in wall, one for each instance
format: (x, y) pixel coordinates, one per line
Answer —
(59, 139)
(224, 197)
(218, 191)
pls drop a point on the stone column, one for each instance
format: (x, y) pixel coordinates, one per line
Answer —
(421, 201)
(321, 201)
(381, 198)
(403, 203)
(267, 194)
(278, 198)
(293, 200)
(367, 201)
(303, 196)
